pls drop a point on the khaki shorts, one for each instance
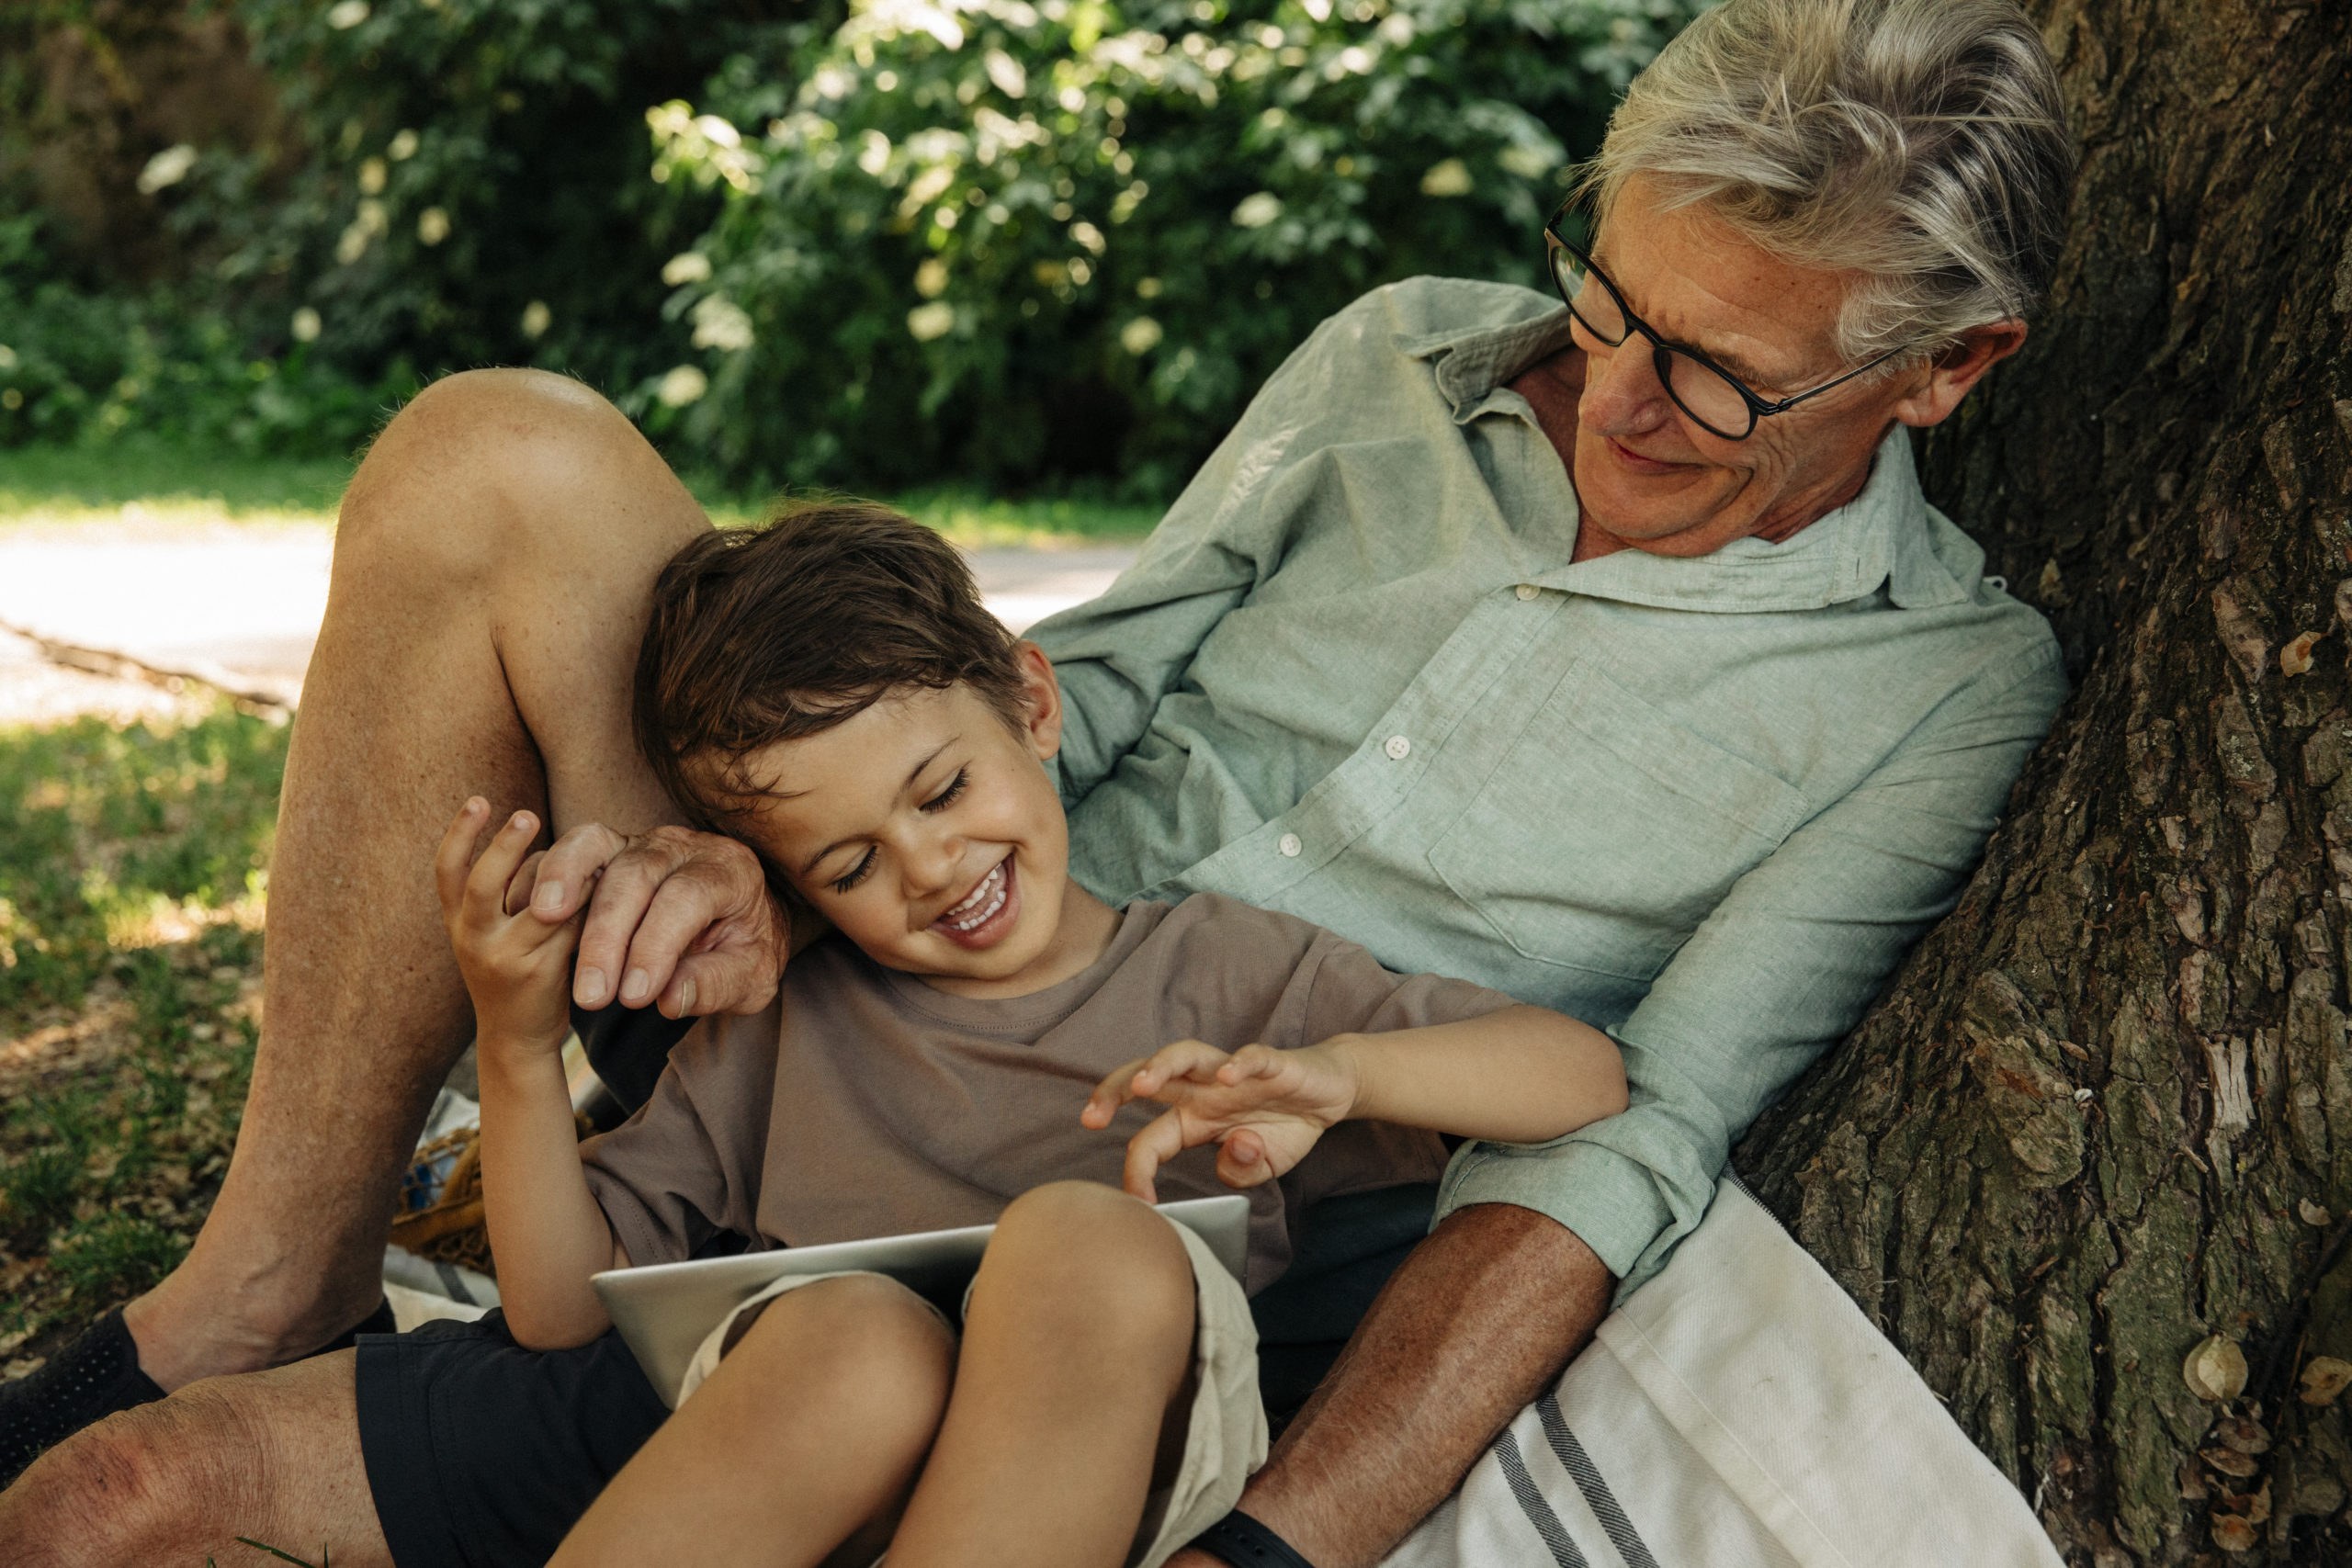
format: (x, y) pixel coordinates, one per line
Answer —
(1224, 1439)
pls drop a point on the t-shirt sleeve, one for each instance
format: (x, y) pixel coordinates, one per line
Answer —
(667, 1180)
(1348, 992)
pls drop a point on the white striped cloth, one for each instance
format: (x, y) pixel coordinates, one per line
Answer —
(1737, 1409)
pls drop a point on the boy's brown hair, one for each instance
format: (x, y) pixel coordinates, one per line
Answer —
(780, 631)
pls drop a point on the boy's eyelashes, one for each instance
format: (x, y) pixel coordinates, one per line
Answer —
(940, 802)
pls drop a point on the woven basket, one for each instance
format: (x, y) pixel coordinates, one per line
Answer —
(451, 1228)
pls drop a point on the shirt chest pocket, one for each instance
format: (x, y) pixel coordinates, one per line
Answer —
(1606, 832)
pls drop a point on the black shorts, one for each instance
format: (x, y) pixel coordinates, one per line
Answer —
(482, 1454)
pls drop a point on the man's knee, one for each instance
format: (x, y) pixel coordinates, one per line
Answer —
(479, 466)
(135, 1487)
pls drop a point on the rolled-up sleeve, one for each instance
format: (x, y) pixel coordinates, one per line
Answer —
(1781, 969)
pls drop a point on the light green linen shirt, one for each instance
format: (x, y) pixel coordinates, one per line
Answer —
(1704, 804)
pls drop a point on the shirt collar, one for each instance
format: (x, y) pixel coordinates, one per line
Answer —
(1880, 537)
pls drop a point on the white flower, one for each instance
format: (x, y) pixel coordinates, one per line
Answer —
(433, 225)
(930, 277)
(682, 386)
(306, 325)
(346, 14)
(168, 167)
(372, 176)
(722, 323)
(1256, 212)
(932, 320)
(1087, 234)
(352, 243)
(687, 266)
(1528, 163)
(537, 317)
(1140, 336)
(1450, 178)
(402, 147)
(7, 357)
(1006, 72)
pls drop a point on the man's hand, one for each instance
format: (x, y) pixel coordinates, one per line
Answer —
(1262, 1108)
(680, 920)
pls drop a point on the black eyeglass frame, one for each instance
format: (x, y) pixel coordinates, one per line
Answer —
(1662, 351)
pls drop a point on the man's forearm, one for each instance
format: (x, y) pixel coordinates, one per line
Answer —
(1479, 1321)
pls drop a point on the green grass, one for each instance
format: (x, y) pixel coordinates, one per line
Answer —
(144, 481)
(131, 869)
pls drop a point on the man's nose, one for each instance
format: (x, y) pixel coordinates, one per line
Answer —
(1623, 395)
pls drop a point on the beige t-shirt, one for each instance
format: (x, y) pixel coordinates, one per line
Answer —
(864, 1103)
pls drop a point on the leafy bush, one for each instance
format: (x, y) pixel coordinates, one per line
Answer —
(1010, 240)
(882, 244)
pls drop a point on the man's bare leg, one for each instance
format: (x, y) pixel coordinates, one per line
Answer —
(1478, 1320)
(493, 571)
(274, 1457)
(810, 1432)
(1071, 1390)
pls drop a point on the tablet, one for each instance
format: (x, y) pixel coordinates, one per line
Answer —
(665, 1311)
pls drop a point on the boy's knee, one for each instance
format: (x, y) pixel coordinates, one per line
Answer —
(1090, 1253)
(865, 1329)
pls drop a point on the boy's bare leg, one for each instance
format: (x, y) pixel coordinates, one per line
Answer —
(1077, 1346)
(493, 571)
(809, 1433)
(274, 1457)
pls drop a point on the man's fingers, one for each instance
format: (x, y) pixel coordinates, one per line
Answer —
(681, 908)
(1148, 1150)
(518, 891)
(619, 901)
(570, 869)
(457, 852)
(717, 982)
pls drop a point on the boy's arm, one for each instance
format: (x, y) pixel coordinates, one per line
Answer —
(546, 1230)
(1516, 1074)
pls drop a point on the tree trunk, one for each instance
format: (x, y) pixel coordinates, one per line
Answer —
(2104, 1111)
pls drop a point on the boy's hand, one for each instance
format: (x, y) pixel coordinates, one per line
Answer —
(679, 920)
(517, 968)
(1262, 1108)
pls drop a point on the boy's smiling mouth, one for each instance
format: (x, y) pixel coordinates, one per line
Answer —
(982, 917)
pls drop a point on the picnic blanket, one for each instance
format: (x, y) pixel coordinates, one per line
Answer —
(1737, 1409)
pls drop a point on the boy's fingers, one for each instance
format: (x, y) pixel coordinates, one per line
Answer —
(1241, 1159)
(1252, 1062)
(486, 884)
(1157, 1144)
(455, 853)
(1179, 1059)
(518, 890)
(1116, 1088)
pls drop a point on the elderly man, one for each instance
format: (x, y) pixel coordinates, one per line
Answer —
(1608, 655)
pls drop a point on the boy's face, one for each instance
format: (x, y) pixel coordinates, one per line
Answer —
(926, 831)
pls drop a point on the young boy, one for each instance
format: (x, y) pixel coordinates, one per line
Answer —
(960, 1051)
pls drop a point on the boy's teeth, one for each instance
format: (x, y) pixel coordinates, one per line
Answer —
(990, 892)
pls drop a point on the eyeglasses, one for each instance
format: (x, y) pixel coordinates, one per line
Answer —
(1713, 398)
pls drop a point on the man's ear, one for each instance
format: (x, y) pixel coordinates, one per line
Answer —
(1041, 699)
(1959, 368)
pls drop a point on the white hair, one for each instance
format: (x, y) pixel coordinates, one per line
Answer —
(1920, 143)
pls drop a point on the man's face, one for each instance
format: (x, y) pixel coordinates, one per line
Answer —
(926, 831)
(1650, 477)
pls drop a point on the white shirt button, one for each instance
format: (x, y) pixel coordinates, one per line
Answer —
(1397, 748)
(1290, 846)
(1526, 590)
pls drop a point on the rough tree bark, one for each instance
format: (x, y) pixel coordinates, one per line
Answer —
(2106, 1110)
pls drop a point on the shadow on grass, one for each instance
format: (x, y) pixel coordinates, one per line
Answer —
(132, 874)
